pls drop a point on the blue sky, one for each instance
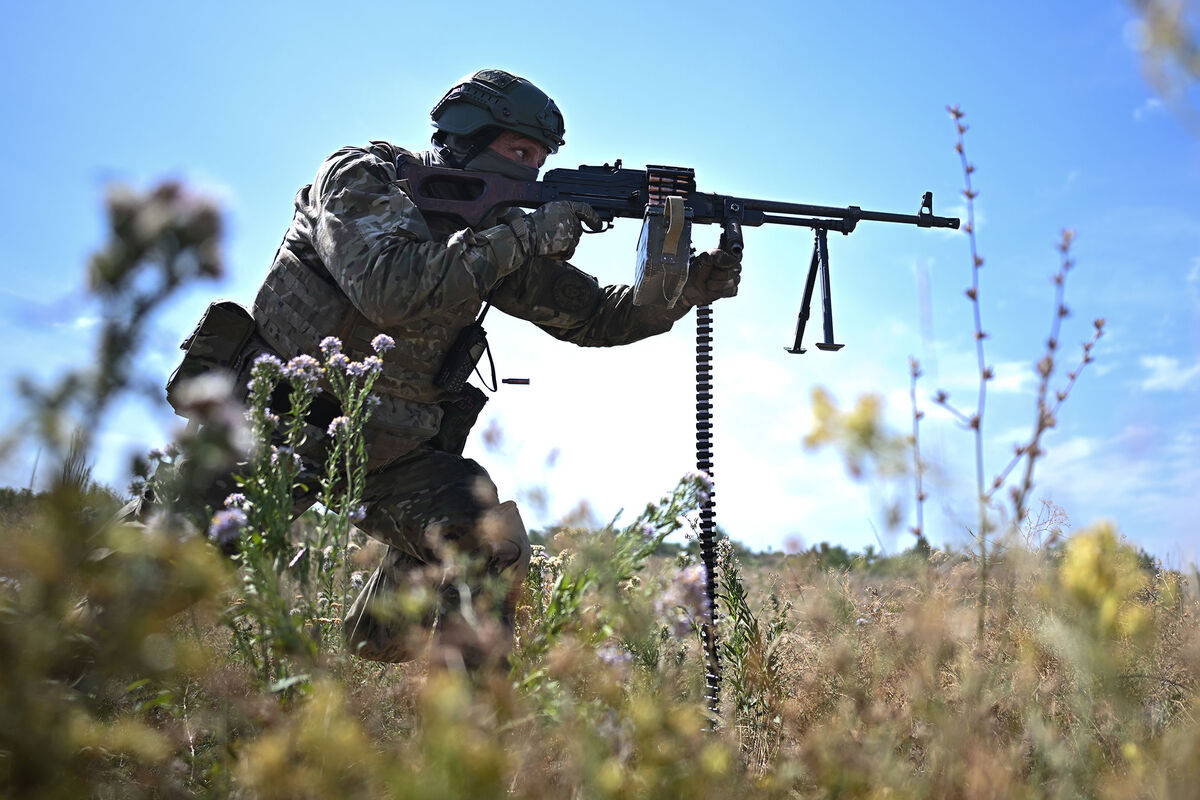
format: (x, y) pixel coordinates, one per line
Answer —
(825, 103)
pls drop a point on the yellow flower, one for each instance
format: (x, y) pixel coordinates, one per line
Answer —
(1102, 575)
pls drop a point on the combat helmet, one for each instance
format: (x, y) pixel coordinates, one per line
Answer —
(493, 98)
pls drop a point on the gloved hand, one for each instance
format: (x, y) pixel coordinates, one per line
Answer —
(554, 228)
(711, 275)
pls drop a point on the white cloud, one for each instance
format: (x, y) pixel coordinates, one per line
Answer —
(960, 377)
(1077, 449)
(1153, 105)
(80, 323)
(1166, 374)
(1013, 377)
(1147, 478)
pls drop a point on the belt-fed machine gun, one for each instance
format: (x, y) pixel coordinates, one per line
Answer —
(666, 200)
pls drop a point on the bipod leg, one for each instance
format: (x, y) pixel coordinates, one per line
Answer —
(822, 250)
(806, 303)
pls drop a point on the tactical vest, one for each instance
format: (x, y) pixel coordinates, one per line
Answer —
(299, 304)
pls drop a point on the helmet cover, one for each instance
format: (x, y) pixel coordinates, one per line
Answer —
(493, 98)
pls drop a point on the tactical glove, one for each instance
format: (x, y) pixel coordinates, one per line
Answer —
(712, 275)
(554, 229)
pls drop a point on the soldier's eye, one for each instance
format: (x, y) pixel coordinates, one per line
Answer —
(521, 153)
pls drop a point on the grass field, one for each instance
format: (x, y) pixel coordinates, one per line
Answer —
(865, 680)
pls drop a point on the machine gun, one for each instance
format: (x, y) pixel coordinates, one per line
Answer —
(666, 200)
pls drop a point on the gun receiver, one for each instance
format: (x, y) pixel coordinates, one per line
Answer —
(665, 198)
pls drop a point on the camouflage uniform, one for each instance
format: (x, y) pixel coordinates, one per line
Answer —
(360, 259)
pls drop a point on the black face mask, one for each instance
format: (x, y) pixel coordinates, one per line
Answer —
(473, 153)
(491, 161)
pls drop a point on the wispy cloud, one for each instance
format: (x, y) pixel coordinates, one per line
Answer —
(1013, 377)
(1154, 498)
(1166, 374)
(1009, 377)
(81, 323)
(1151, 106)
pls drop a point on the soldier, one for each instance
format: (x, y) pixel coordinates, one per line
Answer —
(360, 259)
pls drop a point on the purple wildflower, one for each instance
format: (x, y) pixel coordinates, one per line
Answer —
(374, 401)
(685, 603)
(338, 361)
(266, 361)
(382, 343)
(614, 656)
(337, 425)
(358, 514)
(226, 526)
(235, 500)
(331, 345)
(371, 365)
(704, 483)
(265, 373)
(303, 369)
(279, 454)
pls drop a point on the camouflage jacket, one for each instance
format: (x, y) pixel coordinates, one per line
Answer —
(360, 259)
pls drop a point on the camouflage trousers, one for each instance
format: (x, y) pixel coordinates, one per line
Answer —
(450, 541)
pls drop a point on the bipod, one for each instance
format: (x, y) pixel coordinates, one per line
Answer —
(819, 264)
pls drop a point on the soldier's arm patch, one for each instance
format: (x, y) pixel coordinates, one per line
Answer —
(575, 293)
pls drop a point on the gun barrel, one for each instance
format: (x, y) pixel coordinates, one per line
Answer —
(798, 211)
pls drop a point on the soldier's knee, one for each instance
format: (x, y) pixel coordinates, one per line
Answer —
(504, 539)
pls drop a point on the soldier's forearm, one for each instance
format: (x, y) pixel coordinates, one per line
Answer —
(618, 321)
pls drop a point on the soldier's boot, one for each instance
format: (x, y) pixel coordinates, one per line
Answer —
(377, 626)
(474, 617)
(475, 627)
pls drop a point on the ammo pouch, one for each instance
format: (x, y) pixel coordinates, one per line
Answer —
(218, 343)
(458, 417)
